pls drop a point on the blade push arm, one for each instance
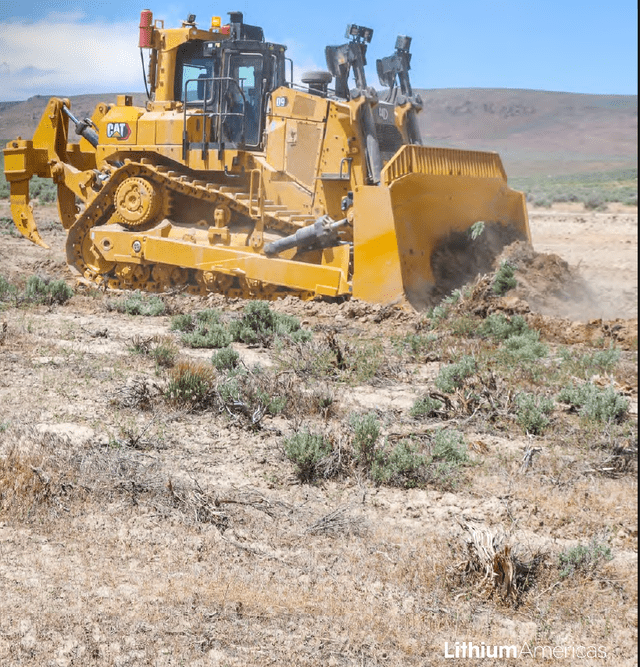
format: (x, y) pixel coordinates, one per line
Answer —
(340, 61)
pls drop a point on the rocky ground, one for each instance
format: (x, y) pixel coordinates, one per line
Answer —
(135, 530)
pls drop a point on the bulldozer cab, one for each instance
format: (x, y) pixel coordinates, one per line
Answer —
(228, 83)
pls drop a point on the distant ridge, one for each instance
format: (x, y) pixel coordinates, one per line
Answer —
(535, 131)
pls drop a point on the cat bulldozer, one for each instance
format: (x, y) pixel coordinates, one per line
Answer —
(234, 179)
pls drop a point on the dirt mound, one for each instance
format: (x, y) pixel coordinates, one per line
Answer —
(460, 257)
(621, 333)
(549, 284)
(552, 297)
(545, 284)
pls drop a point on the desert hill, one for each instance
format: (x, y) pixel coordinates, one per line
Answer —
(535, 132)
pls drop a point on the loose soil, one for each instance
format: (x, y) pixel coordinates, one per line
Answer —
(133, 532)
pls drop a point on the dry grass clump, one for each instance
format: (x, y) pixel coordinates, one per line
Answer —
(139, 392)
(41, 472)
(162, 349)
(226, 385)
(191, 384)
(493, 565)
(333, 358)
(338, 521)
(38, 471)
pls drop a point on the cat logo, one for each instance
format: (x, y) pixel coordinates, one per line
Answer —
(118, 131)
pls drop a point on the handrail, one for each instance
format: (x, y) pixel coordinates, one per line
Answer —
(260, 198)
(214, 112)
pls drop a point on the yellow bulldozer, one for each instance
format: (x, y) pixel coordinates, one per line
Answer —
(234, 179)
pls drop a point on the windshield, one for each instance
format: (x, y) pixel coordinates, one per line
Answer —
(227, 87)
(246, 69)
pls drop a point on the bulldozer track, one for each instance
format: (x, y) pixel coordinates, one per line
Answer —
(86, 260)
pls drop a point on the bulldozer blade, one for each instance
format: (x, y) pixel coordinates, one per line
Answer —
(415, 235)
(22, 212)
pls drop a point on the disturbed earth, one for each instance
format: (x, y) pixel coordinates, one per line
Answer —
(136, 531)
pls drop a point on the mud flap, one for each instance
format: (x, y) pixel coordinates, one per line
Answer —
(412, 234)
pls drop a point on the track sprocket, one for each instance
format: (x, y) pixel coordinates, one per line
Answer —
(139, 203)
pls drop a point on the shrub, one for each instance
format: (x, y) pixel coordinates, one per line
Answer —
(453, 298)
(400, 466)
(225, 359)
(138, 304)
(532, 412)
(425, 407)
(230, 390)
(583, 559)
(7, 290)
(190, 384)
(314, 359)
(499, 327)
(363, 362)
(417, 344)
(476, 230)
(162, 350)
(504, 280)
(140, 345)
(38, 289)
(448, 446)
(182, 322)
(452, 376)
(434, 316)
(259, 325)
(601, 360)
(595, 404)
(595, 202)
(35, 289)
(252, 394)
(208, 316)
(366, 431)
(59, 291)
(463, 325)
(542, 201)
(202, 330)
(43, 189)
(448, 454)
(588, 364)
(164, 353)
(306, 450)
(288, 326)
(331, 358)
(44, 290)
(208, 336)
(524, 347)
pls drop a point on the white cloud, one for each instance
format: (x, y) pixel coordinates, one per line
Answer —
(60, 55)
(302, 60)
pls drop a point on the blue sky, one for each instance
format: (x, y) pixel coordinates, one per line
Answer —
(70, 47)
